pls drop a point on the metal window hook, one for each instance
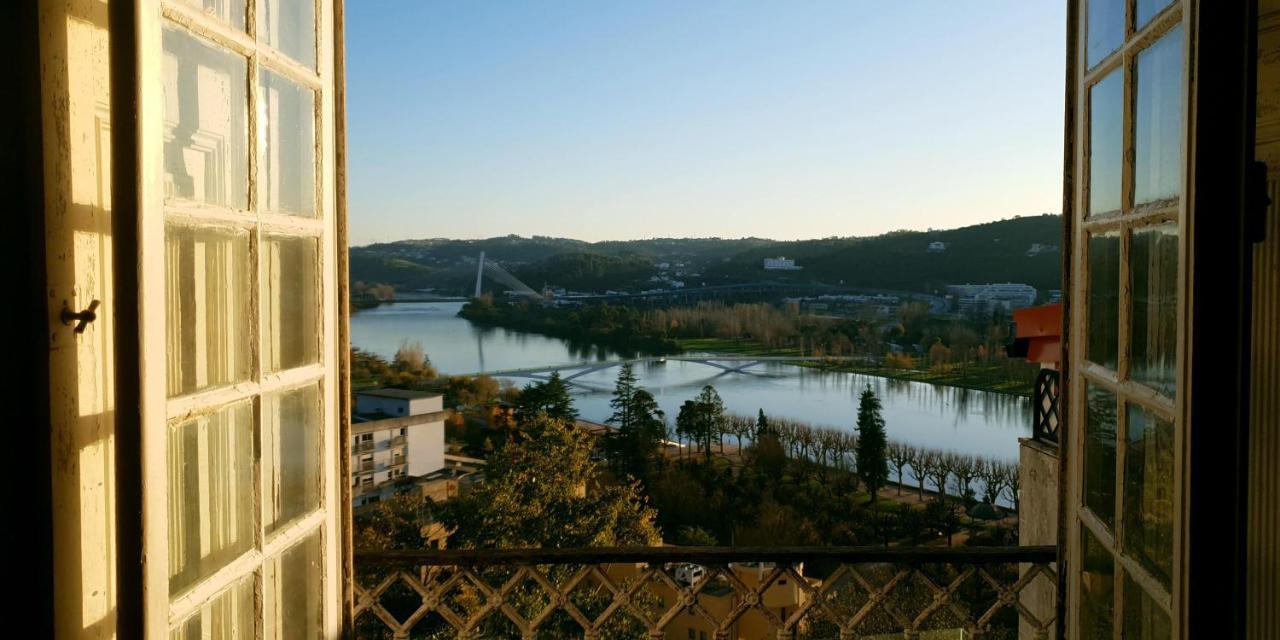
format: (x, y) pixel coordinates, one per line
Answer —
(80, 319)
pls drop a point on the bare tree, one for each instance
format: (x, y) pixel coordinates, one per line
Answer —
(1012, 482)
(897, 454)
(992, 477)
(922, 468)
(965, 469)
(943, 466)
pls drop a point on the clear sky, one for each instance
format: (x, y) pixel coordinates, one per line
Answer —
(606, 119)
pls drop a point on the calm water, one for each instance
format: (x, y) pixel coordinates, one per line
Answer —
(975, 422)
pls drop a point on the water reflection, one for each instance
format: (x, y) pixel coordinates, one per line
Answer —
(963, 420)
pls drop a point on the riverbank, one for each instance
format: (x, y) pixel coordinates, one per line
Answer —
(976, 376)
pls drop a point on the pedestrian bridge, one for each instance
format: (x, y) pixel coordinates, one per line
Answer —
(727, 364)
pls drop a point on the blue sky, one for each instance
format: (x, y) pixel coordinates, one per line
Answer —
(628, 119)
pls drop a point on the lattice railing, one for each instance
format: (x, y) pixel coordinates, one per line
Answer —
(697, 592)
(1046, 412)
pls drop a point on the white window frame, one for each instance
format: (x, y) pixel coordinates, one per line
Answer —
(158, 411)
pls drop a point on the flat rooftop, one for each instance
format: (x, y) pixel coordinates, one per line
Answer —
(400, 394)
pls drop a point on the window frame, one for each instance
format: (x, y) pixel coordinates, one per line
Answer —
(158, 412)
(1126, 221)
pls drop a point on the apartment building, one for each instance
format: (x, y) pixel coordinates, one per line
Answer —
(397, 442)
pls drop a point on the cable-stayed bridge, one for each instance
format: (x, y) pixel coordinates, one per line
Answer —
(497, 273)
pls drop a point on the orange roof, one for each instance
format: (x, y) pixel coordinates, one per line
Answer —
(1038, 333)
(1039, 322)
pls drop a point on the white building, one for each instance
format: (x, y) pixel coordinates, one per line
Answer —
(981, 298)
(937, 247)
(397, 437)
(780, 263)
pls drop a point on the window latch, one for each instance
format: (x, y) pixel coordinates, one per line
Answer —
(1258, 201)
(80, 319)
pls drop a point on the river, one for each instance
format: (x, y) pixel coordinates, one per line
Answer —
(966, 421)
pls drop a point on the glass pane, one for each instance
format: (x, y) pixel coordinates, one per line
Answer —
(1147, 9)
(291, 454)
(292, 605)
(1100, 453)
(1097, 588)
(286, 148)
(1103, 313)
(290, 26)
(1143, 618)
(210, 461)
(207, 308)
(1153, 326)
(1148, 492)
(228, 615)
(1106, 143)
(290, 330)
(1157, 121)
(206, 150)
(1106, 28)
(228, 11)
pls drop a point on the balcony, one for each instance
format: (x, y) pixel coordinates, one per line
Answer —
(367, 465)
(677, 592)
(399, 441)
(366, 446)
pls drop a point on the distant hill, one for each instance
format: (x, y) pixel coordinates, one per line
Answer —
(902, 260)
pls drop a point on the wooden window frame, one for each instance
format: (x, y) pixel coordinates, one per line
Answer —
(146, 608)
(1126, 221)
(1215, 276)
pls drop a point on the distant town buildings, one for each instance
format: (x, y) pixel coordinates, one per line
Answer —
(982, 298)
(780, 263)
(1037, 249)
(397, 444)
(937, 247)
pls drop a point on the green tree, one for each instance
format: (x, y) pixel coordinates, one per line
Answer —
(694, 536)
(711, 418)
(871, 448)
(623, 390)
(545, 492)
(394, 523)
(550, 398)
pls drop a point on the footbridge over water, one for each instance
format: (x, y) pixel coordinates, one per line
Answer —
(570, 372)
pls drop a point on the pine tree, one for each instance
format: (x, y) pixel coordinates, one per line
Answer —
(872, 445)
(550, 398)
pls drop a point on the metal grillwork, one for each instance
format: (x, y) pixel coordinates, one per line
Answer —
(1045, 406)
(684, 592)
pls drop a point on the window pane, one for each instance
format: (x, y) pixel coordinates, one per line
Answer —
(1104, 299)
(206, 150)
(1106, 143)
(1143, 618)
(290, 26)
(1153, 319)
(1106, 28)
(292, 605)
(1100, 453)
(1157, 124)
(286, 149)
(1097, 587)
(228, 615)
(290, 329)
(207, 308)
(211, 521)
(228, 11)
(291, 433)
(1148, 492)
(1147, 9)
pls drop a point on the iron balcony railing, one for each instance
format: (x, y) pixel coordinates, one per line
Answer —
(399, 441)
(366, 446)
(707, 592)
